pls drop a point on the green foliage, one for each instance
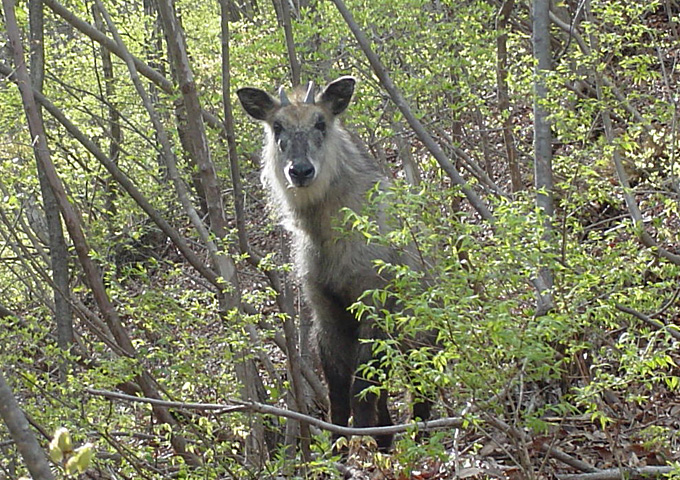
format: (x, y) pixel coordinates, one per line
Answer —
(476, 298)
(467, 312)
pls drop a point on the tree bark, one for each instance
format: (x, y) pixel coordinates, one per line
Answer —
(234, 166)
(290, 42)
(14, 418)
(201, 152)
(59, 256)
(542, 134)
(503, 97)
(74, 225)
(543, 176)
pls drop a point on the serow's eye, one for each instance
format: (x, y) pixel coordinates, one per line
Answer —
(278, 128)
(320, 125)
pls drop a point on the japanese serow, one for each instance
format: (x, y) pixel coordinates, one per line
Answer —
(313, 169)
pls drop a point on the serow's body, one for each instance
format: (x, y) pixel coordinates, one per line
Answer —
(313, 169)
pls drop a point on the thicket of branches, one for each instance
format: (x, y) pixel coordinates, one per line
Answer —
(533, 150)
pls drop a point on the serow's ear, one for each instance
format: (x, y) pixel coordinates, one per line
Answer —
(257, 103)
(337, 94)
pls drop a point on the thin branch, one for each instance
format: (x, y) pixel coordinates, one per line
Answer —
(290, 42)
(234, 166)
(162, 135)
(198, 143)
(239, 405)
(123, 181)
(586, 50)
(618, 473)
(502, 18)
(18, 427)
(657, 324)
(523, 438)
(424, 136)
(6, 312)
(633, 208)
(68, 211)
(74, 224)
(568, 459)
(93, 33)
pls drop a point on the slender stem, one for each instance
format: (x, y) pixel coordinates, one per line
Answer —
(16, 422)
(419, 129)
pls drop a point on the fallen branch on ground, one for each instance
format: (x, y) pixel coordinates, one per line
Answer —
(617, 473)
(240, 406)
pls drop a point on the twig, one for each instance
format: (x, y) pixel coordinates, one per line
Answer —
(124, 182)
(667, 304)
(221, 408)
(240, 405)
(93, 33)
(568, 459)
(290, 42)
(556, 453)
(618, 473)
(605, 79)
(424, 136)
(168, 153)
(658, 324)
(14, 418)
(198, 144)
(633, 208)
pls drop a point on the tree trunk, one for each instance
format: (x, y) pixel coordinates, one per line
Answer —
(199, 144)
(59, 256)
(503, 97)
(543, 177)
(74, 225)
(14, 418)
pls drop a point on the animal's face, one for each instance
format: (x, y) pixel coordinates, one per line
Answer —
(299, 133)
(299, 128)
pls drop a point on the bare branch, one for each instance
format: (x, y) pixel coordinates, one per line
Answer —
(290, 42)
(424, 136)
(633, 208)
(617, 473)
(93, 33)
(168, 153)
(16, 422)
(657, 324)
(239, 405)
(586, 50)
(502, 19)
(198, 143)
(123, 181)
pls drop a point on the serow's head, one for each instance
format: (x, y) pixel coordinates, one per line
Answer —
(301, 126)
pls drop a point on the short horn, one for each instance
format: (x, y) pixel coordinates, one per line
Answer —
(309, 98)
(283, 97)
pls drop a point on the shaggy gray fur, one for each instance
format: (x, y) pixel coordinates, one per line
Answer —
(312, 169)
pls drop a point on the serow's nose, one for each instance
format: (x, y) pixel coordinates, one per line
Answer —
(301, 172)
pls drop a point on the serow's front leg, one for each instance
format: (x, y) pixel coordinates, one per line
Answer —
(370, 409)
